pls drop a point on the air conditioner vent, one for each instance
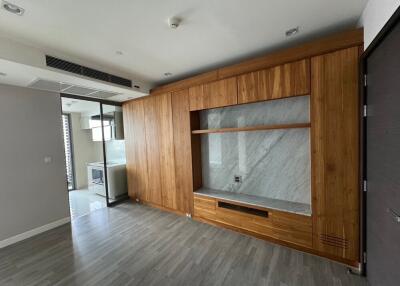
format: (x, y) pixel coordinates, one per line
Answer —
(66, 88)
(85, 71)
(334, 241)
(63, 65)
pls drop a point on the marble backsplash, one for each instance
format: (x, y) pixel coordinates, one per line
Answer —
(273, 164)
(281, 111)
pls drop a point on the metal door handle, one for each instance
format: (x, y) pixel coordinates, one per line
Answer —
(396, 217)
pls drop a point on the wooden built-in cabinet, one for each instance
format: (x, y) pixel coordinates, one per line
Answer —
(286, 80)
(335, 152)
(136, 150)
(163, 145)
(183, 151)
(215, 94)
(288, 227)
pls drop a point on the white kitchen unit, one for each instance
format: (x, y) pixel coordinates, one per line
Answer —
(116, 174)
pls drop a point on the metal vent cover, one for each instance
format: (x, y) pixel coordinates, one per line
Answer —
(62, 87)
(79, 90)
(48, 85)
(86, 71)
(103, 94)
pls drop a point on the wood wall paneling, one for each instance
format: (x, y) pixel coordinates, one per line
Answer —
(136, 149)
(215, 94)
(183, 151)
(153, 151)
(286, 80)
(196, 151)
(166, 150)
(335, 153)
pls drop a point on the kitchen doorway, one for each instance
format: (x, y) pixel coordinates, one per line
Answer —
(94, 154)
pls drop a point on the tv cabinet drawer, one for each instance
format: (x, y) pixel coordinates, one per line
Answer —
(204, 207)
(287, 227)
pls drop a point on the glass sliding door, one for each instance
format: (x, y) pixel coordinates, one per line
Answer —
(114, 152)
(84, 155)
(98, 150)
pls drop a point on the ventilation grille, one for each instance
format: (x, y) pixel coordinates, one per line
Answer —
(85, 71)
(334, 241)
(61, 87)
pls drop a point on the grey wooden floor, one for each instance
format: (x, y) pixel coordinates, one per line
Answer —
(137, 245)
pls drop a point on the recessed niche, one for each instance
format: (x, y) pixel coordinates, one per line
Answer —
(271, 164)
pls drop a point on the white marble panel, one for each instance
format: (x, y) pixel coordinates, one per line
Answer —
(272, 164)
(280, 111)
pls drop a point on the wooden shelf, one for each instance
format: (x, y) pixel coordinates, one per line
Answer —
(253, 128)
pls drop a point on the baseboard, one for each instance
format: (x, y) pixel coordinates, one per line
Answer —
(33, 232)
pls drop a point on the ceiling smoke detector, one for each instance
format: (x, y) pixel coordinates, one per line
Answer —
(174, 22)
(12, 8)
(292, 32)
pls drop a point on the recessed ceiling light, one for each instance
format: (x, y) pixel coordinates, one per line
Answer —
(292, 32)
(167, 74)
(12, 8)
(120, 53)
(2, 74)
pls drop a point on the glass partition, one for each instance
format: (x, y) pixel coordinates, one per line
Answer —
(114, 146)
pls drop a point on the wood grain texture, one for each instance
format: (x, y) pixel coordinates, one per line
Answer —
(166, 150)
(215, 94)
(293, 228)
(196, 151)
(286, 80)
(253, 128)
(153, 150)
(136, 149)
(337, 41)
(183, 151)
(335, 153)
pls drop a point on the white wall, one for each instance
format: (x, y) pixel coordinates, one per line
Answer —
(32, 193)
(374, 17)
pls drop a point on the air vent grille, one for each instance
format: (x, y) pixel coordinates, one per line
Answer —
(85, 71)
(61, 87)
(334, 241)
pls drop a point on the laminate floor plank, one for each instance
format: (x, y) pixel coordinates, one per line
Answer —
(133, 244)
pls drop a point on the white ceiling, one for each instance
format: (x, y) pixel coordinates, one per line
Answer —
(213, 32)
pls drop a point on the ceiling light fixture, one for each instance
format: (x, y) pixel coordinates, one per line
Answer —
(292, 32)
(174, 22)
(167, 74)
(12, 8)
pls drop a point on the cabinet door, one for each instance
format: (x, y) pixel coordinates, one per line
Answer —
(287, 80)
(160, 151)
(136, 154)
(335, 153)
(166, 150)
(215, 94)
(153, 150)
(183, 153)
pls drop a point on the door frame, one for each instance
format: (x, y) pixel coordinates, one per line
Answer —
(101, 103)
(71, 147)
(386, 29)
